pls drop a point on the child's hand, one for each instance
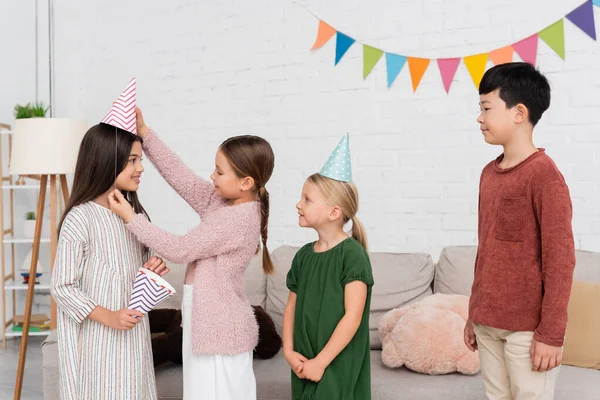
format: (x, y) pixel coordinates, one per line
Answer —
(157, 265)
(124, 319)
(313, 370)
(296, 361)
(142, 129)
(120, 206)
(545, 357)
(470, 340)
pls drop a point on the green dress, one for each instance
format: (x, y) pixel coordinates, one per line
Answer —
(318, 279)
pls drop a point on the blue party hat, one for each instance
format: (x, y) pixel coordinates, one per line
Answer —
(339, 165)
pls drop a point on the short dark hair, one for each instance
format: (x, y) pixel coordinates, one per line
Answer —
(519, 83)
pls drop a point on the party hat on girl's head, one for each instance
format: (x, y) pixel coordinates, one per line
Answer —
(122, 112)
(339, 165)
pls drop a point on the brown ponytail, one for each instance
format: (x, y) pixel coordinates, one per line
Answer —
(263, 197)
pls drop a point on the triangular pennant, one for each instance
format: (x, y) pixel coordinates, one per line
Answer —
(371, 56)
(527, 48)
(503, 55)
(476, 66)
(339, 164)
(448, 67)
(122, 112)
(417, 67)
(554, 36)
(323, 35)
(342, 44)
(583, 18)
(393, 64)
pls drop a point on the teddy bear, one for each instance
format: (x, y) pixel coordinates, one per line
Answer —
(428, 336)
(167, 335)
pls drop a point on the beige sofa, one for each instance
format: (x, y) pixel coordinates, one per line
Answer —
(399, 279)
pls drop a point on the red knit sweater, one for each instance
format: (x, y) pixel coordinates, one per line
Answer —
(525, 259)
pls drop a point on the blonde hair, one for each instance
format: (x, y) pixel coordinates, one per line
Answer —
(345, 196)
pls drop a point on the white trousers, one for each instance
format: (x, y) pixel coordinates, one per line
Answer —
(506, 366)
(214, 376)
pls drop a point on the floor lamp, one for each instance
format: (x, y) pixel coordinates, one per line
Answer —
(46, 147)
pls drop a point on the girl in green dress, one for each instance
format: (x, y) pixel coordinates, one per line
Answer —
(326, 319)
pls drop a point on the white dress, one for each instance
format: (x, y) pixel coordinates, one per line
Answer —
(213, 376)
(96, 264)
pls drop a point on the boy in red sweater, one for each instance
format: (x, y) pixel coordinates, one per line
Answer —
(525, 259)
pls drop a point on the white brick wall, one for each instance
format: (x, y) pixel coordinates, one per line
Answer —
(208, 70)
(18, 85)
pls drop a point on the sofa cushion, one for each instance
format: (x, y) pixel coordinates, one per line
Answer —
(582, 341)
(277, 291)
(273, 382)
(273, 379)
(400, 279)
(50, 367)
(256, 282)
(454, 271)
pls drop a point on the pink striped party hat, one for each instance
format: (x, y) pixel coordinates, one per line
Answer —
(122, 112)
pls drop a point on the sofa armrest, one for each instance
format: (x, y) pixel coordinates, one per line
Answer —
(50, 367)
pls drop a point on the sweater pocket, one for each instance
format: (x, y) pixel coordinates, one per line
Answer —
(511, 219)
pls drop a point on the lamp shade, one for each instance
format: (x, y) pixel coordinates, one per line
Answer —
(46, 146)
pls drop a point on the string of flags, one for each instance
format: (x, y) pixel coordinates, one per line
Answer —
(553, 36)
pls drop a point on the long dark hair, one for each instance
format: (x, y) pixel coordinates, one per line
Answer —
(95, 169)
(253, 156)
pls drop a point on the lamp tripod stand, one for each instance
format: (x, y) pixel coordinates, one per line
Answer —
(34, 261)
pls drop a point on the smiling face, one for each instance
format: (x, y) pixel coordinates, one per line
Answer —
(227, 184)
(129, 178)
(313, 211)
(496, 121)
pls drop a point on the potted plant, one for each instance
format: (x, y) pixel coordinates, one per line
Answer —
(29, 225)
(29, 110)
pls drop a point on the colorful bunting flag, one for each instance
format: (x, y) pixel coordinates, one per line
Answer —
(554, 36)
(527, 48)
(503, 55)
(342, 44)
(371, 56)
(417, 67)
(583, 18)
(476, 67)
(325, 33)
(448, 67)
(394, 64)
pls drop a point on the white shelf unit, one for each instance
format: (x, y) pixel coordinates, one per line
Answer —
(17, 187)
(11, 334)
(10, 278)
(44, 284)
(24, 240)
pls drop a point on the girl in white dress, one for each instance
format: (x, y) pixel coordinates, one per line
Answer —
(104, 348)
